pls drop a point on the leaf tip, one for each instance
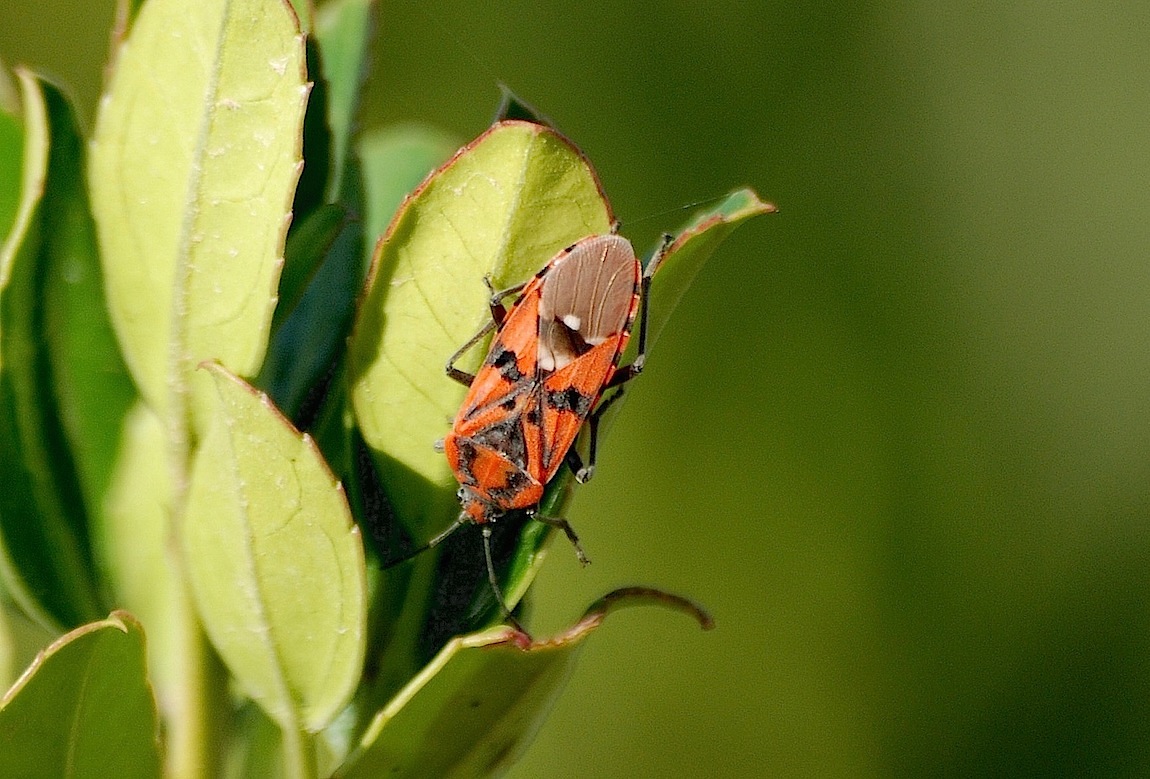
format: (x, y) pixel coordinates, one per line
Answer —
(640, 596)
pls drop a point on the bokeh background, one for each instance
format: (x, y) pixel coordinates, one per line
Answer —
(897, 438)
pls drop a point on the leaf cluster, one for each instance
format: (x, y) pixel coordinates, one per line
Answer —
(223, 324)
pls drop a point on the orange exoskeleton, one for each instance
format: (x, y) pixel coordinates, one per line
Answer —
(554, 353)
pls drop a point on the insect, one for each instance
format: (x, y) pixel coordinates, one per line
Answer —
(555, 352)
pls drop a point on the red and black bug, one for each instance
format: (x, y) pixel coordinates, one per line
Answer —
(554, 354)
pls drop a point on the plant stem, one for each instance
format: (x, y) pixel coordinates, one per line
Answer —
(299, 757)
(196, 723)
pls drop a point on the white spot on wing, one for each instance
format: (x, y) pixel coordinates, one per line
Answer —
(572, 321)
(545, 358)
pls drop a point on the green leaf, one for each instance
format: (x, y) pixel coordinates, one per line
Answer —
(83, 708)
(45, 561)
(26, 176)
(20, 640)
(194, 160)
(305, 346)
(693, 244)
(126, 12)
(502, 206)
(11, 154)
(395, 160)
(7, 650)
(475, 707)
(305, 14)
(311, 189)
(344, 29)
(133, 545)
(9, 95)
(257, 748)
(511, 106)
(274, 561)
(91, 383)
(308, 244)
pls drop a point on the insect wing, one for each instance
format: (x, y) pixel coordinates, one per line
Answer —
(588, 295)
(588, 300)
(569, 395)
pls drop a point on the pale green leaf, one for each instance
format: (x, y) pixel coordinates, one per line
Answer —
(83, 709)
(274, 561)
(503, 206)
(133, 545)
(476, 706)
(194, 161)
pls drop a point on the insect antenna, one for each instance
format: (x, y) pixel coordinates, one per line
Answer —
(459, 522)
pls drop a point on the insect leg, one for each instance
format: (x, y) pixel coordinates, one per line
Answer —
(493, 580)
(625, 374)
(583, 473)
(569, 531)
(463, 377)
(498, 314)
(498, 311)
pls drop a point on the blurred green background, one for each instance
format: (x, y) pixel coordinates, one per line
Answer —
(897, 438)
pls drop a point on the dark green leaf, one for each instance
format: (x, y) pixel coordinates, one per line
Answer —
(310, 191)
(46, 561)
(344, 29)
(306, 345)
(91, 383)
(308, 243)
(511, 106)
(83, 708)
(478, 704)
